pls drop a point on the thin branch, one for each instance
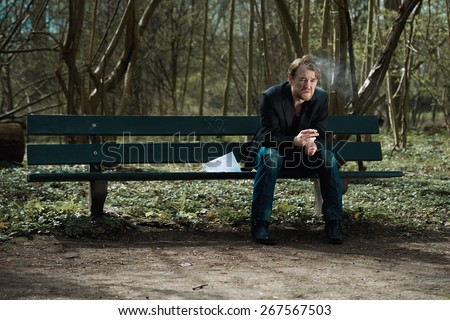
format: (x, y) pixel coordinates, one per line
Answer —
(106, 32)
(17, 109)
(56, 48)
(48, 34)
(115, 40)
(17, 26)
(147, 15)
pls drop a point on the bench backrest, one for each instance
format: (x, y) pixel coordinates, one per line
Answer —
(172, 152)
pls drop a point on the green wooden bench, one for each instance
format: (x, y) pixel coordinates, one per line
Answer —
(98, 155)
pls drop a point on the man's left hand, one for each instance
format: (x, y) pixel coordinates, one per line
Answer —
(310, 148)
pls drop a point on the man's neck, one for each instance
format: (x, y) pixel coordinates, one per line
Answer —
(298, 106)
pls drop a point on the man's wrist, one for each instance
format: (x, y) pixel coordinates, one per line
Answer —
(298, 142)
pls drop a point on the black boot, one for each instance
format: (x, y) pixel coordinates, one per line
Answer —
(333, 229)
(260, 232)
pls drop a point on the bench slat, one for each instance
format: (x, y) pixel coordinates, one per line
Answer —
(358, 151)
(173, 125)
(353, 124)
(149, 153)
(142, 125)
(132, 153)
(143, 176)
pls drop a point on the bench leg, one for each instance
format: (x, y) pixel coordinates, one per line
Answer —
(98, 190)
(344, 185)
(318, 201)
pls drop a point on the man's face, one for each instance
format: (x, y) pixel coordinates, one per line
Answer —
(303, 84)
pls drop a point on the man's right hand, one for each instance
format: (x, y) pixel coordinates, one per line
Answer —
(305, 137)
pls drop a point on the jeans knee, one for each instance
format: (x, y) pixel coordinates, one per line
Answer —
(328, 158)
(270, 158)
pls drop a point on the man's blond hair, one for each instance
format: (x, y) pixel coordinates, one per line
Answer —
(308, 61)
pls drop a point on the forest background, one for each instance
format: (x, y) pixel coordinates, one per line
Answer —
(215, 57)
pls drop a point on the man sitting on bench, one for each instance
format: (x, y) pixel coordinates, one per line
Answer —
(292, 137)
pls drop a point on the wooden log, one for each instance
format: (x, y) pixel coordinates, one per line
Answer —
(12, 142)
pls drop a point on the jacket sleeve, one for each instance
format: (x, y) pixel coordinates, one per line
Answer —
(271, 134)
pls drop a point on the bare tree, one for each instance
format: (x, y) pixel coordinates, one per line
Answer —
(226, 92)
(369, 45)
(249, 81)
(324, 51)
(373, 82)
(204, 55)
(285, 16)
(267, 57)
(17, 40)
(339, 83)
(104, 79)
(447, 7)
(305, 27)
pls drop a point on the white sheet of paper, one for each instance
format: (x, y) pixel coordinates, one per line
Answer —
(225, 163)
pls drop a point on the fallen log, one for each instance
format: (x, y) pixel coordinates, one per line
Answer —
(12, 142)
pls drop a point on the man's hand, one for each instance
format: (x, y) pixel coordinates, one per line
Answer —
(310, 148)
(305, 136)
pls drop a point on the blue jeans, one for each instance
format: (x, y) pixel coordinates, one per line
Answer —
(270, 162)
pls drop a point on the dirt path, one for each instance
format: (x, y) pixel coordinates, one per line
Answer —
(171, 264)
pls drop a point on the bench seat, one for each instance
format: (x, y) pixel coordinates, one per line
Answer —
(143, 176)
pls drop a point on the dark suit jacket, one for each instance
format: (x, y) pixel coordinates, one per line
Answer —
(277, 114)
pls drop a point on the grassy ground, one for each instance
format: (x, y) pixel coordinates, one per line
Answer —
(417, 202)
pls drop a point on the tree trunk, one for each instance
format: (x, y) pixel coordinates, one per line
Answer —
(392, 109)
(375, 78)
(368, 50)
(12, 142)
(287, 42)
(9, 90)
(324, 51)
(305, 27)
(285, 15)
(226, 93)
(188, 61)
(267, 60)
(392, 4)
(132, 40)
(351, 52)
(203, 67)
(340, 58)
(447, 7)
(404, 99)
(249, 81)
(74, 89)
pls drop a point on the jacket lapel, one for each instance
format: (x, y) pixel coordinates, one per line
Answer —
(286, 105)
